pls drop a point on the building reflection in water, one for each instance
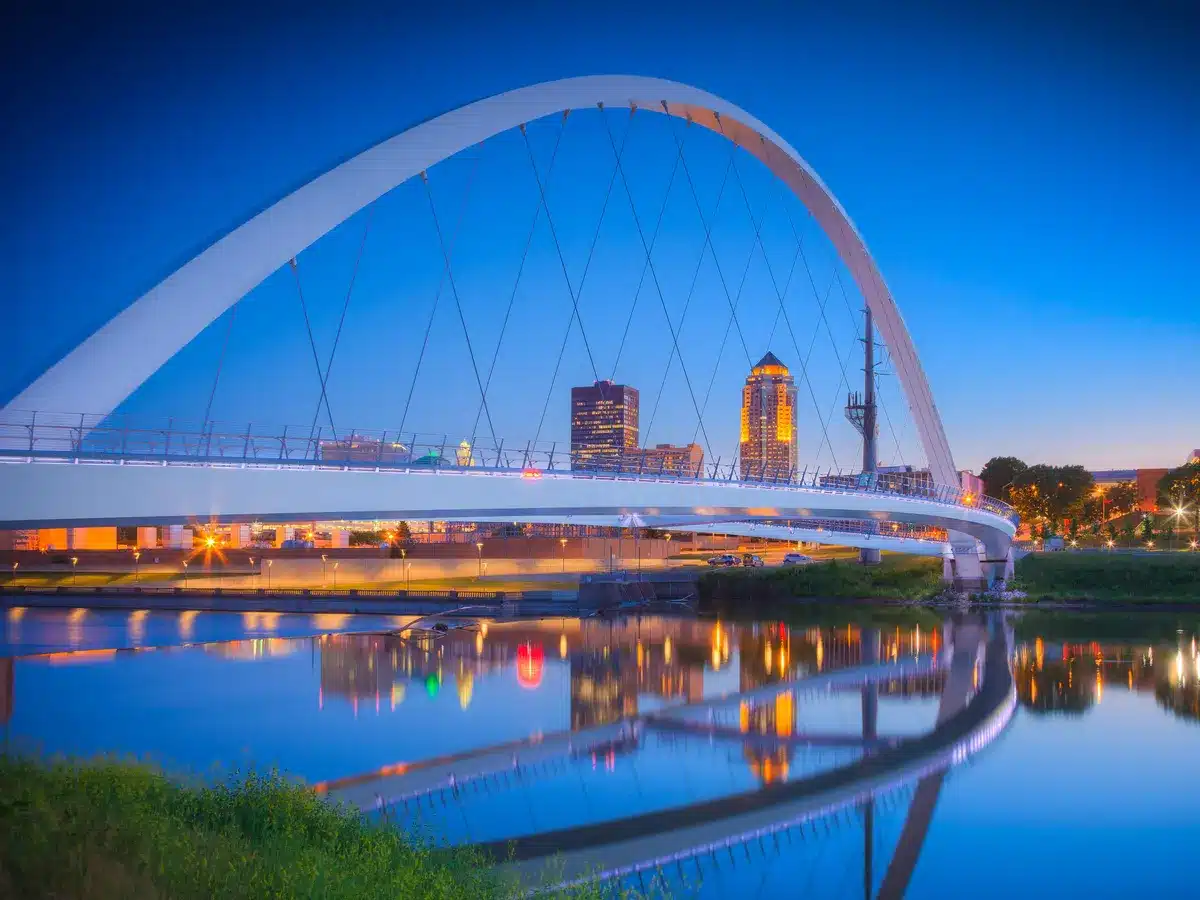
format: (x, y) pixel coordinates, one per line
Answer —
(1069, 678)
(618, 668)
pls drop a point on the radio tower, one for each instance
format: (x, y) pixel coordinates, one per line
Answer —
(860, 410)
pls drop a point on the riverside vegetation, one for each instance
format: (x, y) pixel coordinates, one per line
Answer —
(108, 828)
(1101, 578)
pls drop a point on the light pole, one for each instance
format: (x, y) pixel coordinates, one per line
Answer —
(324, 569)
(335, 565)
(407, 577)
(563, 543)
(479, 547)
(270, 562)
(185, 565)
(137, 555)
(14, 574)
(250, 559)
(74, 563)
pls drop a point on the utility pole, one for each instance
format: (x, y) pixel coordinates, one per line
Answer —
(861, 411)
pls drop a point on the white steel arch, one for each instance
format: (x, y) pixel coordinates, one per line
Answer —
(106, 368)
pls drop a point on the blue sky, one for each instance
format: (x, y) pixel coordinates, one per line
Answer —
(1025, 180)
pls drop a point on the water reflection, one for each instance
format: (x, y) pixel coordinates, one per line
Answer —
(1070, 678)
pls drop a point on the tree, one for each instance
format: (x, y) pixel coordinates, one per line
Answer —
(1122, 497)
(1059, 491)
(1112, 531)
(1147, 527)
(1000, 474)
(1181, 489)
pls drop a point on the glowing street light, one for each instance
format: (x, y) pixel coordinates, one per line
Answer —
(563, 543)
(74, 563)
(270, 562)
(185, 565)
(324, 570)
(137, 555)
(335, 567)
(1111, 543)
(14, 574)
(479, 547)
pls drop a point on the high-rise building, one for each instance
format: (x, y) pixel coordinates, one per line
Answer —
(768, 441)
(604, 425)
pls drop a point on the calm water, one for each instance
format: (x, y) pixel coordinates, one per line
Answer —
(1093, 788)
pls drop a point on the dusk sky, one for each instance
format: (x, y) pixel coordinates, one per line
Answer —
(1027, 182)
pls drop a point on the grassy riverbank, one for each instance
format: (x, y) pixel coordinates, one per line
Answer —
(1111, 577)
(113, 829)
(895, 578)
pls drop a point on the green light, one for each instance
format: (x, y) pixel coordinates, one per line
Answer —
(432, 684)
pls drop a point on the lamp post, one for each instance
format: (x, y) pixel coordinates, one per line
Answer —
(137, 555)
(251, 561)
(479, 547)
(14, 574)
(324, 569)
(407, 577)
(563, 543)
(185, 565)
(74, 563)
(270, 562)
(335, 565)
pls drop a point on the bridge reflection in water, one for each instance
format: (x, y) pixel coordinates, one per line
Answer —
(656, 707)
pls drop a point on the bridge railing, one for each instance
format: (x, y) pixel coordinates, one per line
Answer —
(133, 439)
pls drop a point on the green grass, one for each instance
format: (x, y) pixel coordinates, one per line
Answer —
(1124, 577)
(896, 578)
(104, 828)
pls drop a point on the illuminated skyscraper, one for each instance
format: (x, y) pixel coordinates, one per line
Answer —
(768, 442)
(604, 425)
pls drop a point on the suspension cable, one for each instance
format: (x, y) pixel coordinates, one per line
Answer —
(342, 321)
(645, 266)
(312, 343)
(704, 247)
(437, 296)
(220, 363)
(737, 300)
(855, 323)
(458, 302)
(779, 297)
(537, 212)
(657, 287)
(563, 264)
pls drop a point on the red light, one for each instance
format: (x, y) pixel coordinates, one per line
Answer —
(530, 663)
(531, 473)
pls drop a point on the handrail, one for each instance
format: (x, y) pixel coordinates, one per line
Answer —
(79, 437)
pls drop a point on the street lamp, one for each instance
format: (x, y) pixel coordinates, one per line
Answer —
(563, 543)
(335, 565)
(74, 563)
(324, 570)
(14, 574)
(270, 562)
(137, 555)
(185, 565)
(1110, 543)
(479, 547)
(407, 576)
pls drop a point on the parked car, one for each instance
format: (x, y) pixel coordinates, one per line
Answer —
(724, 561)
(798, 559)
(750, 560)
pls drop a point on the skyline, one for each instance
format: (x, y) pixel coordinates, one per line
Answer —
(109, 223)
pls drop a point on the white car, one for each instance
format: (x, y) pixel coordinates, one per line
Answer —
(798, 559)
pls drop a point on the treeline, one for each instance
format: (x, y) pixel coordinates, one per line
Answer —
(1066, 500)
